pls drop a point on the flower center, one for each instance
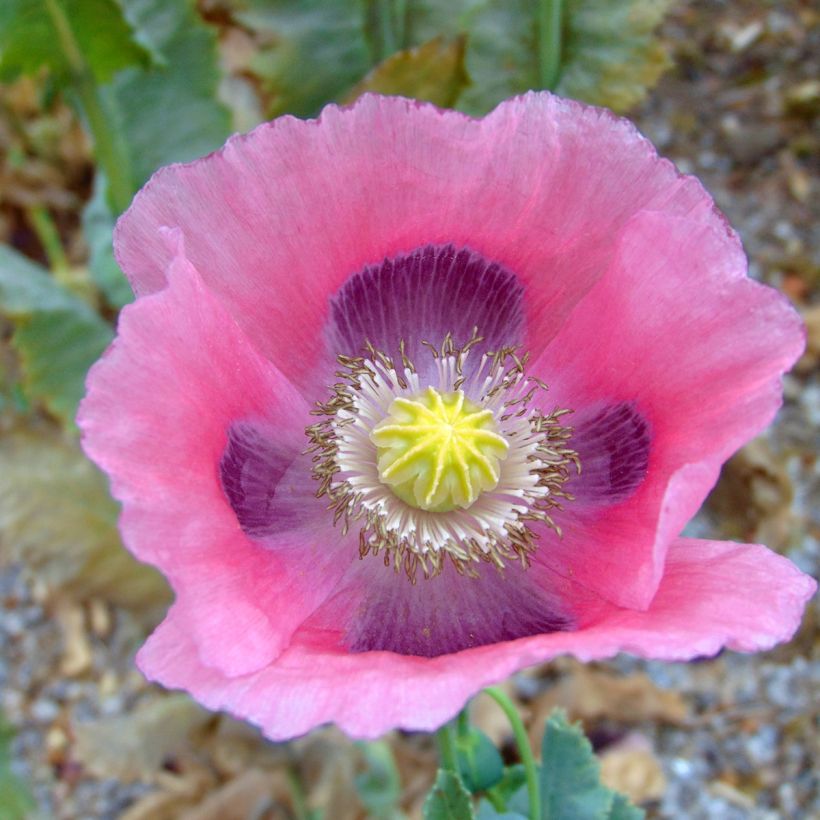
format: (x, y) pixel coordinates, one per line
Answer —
(451, 462)
(439, 451)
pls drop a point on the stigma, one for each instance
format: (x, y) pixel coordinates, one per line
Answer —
(439, 451)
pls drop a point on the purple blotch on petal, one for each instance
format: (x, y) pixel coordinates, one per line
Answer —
(451, 612)
(613, 444)
(251, 467)
(423, 295)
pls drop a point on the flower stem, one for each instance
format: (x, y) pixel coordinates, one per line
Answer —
(524, 749)
(447, 748)
(550, 18)
(109, 146)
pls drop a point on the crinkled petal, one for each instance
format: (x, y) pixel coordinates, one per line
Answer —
(712, 595)
(278, 219)
(156, 419)
(677, 332)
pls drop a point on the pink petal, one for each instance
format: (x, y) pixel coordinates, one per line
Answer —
(279, 218)
(677, 329)
(156, 417)
(713, 594)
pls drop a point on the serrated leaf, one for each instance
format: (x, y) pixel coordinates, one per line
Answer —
(612, 55)
(169, 113)
(32, 35)
(98, 227)
(479, 762)
(379, 786)
(58, 521)
(570, 775)
(56, 336)
(448, 800)
(316, 50)
(622, 809)
(433, 71)
(15, 798)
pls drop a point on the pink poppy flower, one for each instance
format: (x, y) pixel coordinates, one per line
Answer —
(335, 413)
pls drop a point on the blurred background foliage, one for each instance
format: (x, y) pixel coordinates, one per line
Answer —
(97, 94)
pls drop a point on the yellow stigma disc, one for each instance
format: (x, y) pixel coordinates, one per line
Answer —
(438, 451)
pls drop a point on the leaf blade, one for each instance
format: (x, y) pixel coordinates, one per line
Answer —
(448, 800)
(105, 38)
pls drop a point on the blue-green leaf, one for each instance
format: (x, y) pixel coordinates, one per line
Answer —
(610, 53)
(169, 113)
(33, 34)
(479, 762)
(316, 50)
(486, 811)
(622, 809)
(570, 775)
(448, 800)
(56, 335)
(98, 226)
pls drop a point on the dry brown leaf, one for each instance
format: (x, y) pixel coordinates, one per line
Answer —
(58, 521)
(327, 762)
(135, 746)
(157, 806)
(631, 767)
(811, 358)
(592, 694)
(753, 499)
(252, 794)
(77, 655)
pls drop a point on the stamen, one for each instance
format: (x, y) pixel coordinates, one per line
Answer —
(457, 470)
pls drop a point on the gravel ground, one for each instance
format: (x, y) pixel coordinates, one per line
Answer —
(739, 110)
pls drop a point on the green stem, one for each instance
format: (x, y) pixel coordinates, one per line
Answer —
(550, 19)
(447, 748)
(496, 800)
(42, 223)
(524, 749)
(109, 147)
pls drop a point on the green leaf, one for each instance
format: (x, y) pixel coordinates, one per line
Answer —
(33, 35)
(622, 809)
(379, 786)
(316, 50)
(512, 782)
(57, 336)
(98, 227)
(486, 811)
(15, 798)
(612, 55)
(169, 113)
(570, 774)
(479, 762)
(433, 71)
(58, 521)
(448, 800)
